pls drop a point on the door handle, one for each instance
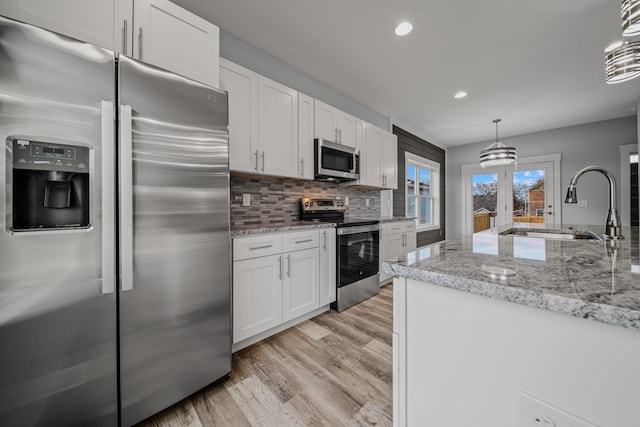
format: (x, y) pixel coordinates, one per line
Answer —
(256, 160)
(263, 161)
(108, 199)
(301, 167)
(324, 245)
(124, 37)
(140, 43)
(336, 137)
(289, 265)
(126, 198)
(280, 265)
(340, 132)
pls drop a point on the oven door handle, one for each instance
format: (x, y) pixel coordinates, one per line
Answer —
(358, 229)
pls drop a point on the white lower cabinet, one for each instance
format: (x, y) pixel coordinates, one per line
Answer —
(278, 277)
(327, 266)
(397, 240)
(300, 283)
(257, 295)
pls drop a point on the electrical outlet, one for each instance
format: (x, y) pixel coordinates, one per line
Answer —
(533, 412)
(366, 202)
(583, 203)
(346, 201)
(246, 200)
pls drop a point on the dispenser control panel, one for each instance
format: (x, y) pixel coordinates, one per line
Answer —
(38, 155)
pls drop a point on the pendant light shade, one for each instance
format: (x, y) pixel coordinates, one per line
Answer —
(622, 61)
(498, 154)
(630, 18)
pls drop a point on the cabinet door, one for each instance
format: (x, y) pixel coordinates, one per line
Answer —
(346, 125)
(101, 22)
(257, 296)
(325, 123)
(300, 284)
(327, 266)
(411, 241)
(277, 128)
(371, 156)
(305, 136)
(169, 37)
(242, 85)
(389, 160)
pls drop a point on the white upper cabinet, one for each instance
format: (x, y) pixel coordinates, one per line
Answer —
(277, 128)
(305, 136)
(334, 125)
(105, 23)
(378, 157)
(242, 85)
(170, 37)
(370, 156)
(389, 160)
(155, 31)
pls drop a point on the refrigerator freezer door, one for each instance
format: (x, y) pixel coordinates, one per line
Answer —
(175, 316)
(57, 314)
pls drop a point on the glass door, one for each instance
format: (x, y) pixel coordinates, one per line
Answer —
(522, 196)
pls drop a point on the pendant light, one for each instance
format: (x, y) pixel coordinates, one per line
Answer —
(630, 18)
(622, 61)
(498, 154)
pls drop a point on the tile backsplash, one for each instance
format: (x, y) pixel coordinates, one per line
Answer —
(278, 199)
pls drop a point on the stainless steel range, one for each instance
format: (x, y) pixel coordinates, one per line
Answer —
(357, 251)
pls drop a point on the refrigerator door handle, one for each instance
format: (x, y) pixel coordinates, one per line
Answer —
(108, 198)
(126, 199)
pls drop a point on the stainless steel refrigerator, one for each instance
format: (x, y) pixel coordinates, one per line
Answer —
(114, 248)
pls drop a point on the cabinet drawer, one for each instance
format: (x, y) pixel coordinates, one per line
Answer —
(409, 225)
(256, 246)
(300, 240)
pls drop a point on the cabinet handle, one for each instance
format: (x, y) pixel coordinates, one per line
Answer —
(280, 264)
(256, 160)
(340, 132)
(263, 161)
(288, 265)
(304, 241)
(260, 247)
(336, 137)
(140, 43)
(324, 245)
(301, 167)
(124, 37)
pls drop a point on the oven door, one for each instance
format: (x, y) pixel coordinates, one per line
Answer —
(358, 253)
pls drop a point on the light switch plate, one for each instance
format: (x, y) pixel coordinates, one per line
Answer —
(533, 412)
(246, 200)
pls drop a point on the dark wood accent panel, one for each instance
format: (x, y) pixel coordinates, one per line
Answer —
(419, 147)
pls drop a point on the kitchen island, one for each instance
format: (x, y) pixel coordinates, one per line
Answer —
(494, 330)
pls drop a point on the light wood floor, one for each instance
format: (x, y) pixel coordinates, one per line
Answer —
(332, 370)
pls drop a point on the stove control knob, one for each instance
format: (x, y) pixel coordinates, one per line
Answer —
(310, 203)
(306, 204)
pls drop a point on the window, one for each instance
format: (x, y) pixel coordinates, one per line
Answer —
(422, 189)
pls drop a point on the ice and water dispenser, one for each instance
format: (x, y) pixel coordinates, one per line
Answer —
(50, 186)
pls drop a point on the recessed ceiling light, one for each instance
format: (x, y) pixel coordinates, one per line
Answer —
(460, 94)
(403, 29)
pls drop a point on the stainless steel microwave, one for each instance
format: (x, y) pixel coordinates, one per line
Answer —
(336, 162)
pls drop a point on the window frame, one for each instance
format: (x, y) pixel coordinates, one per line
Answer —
(420, 162)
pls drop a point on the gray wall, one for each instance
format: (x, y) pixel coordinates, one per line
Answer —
(249, 56)
(590, 144)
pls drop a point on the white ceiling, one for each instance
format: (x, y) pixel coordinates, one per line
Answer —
(536, 64)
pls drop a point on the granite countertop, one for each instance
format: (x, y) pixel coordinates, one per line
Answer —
(275, 227)
(592, 280)
(279, 226)
(395, 219)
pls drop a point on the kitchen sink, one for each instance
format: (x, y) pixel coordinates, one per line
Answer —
(553, 234)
